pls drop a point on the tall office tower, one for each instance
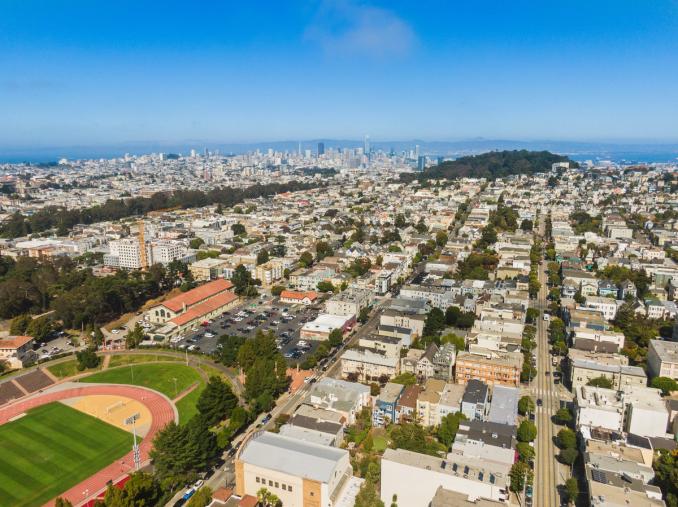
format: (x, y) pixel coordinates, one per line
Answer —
(416, 152)
(366, 145)
(192, 153)
(299, 150)
(321, 149)
(421, 163)
(307, 154)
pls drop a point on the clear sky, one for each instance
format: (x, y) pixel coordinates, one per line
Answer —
(85, 71)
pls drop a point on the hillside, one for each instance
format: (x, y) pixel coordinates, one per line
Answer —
(492, 165)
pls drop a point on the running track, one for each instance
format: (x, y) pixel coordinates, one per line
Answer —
(162, 412)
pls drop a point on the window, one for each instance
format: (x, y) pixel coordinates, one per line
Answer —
(257, 479)
(284, 487)
(312, 493)
(277, 485)
(270, 482)
(289, 488)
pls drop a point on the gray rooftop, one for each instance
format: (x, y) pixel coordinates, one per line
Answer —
(292, 456)
(504, 406)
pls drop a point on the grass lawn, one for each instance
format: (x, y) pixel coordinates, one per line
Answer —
(186, 405)
(157, 376)
(66, 369)
(123, 359)
(380, 443)
(51, 449)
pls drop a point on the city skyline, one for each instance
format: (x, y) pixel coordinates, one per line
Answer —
(337, 70)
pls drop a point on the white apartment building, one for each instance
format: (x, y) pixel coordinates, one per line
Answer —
(608, 307)
(349, 303)
(662, 359)
(475, 478)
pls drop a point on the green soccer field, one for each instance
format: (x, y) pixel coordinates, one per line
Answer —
(51, 449)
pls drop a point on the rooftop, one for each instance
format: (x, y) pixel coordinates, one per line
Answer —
(292, 456)
(195, 296)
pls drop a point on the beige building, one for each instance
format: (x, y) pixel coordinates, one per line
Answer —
(489, 366)
(269, 272)
(14, 348)
(299, 473)
(428, 402)
(586, 366)
(662, 359)
(366, 365)
(207, 269)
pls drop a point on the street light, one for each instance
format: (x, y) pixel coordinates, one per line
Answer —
(131, 420)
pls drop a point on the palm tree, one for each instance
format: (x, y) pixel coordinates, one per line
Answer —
(268, 499)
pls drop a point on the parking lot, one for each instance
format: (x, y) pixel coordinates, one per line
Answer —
(284, 320)
(54, 344)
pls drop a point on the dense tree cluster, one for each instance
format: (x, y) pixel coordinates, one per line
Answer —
(78, 298)
(63, 220)
(492, 165)
(477, 266)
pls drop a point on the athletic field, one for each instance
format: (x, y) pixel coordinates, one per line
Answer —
(51, 449)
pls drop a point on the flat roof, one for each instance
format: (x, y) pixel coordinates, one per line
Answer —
(291, 456)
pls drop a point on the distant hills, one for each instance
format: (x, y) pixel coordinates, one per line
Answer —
(492, 165)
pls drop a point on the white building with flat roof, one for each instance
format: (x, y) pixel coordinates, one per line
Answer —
(414, 478)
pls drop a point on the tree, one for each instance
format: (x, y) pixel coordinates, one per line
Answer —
(525, 451)
(452, 314)
(243, 282)
(306, 259)
(601, 381)
(531, 315)
(262, 256)
(325, 286)
(449, 425)
(134, 337)
(368, 496)
(406, 379)
(563, 416)
(666, 476)
(228, 351)
(322, 250)
(566, 439)
(140, 490)
(195, 243)
(87, 359)
(434, 323)
(412, 437)
(518, 474)
(527, 431)
(488, 237)
(525, 405)
(238, 229)
(4, 366)
(441, 239)
(459, 342)
(276, 290)
(571, 490)
(568, 455)
(335, 338)
(666, 384)
(364, 314)
(216, 401)
(20, 324)
(268, 499)
(201, 498)
(526, 225)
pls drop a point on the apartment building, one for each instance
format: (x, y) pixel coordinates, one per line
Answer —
(662, 359)
(366, 365)
(474, 478)
(491, 367)
(349, 303)
(428, 401)
(269, 272)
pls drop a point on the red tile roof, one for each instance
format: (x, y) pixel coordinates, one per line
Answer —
(208, 306)
(248, 501)
(197, 295)
(293, 294)
(222, 494)
(14, 342)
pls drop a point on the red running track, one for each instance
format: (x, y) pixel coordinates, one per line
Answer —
(162, 412)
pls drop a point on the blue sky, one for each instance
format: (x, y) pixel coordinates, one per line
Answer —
(78, 72)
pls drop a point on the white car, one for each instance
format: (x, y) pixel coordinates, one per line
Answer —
(115, 331)
(209, 335)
